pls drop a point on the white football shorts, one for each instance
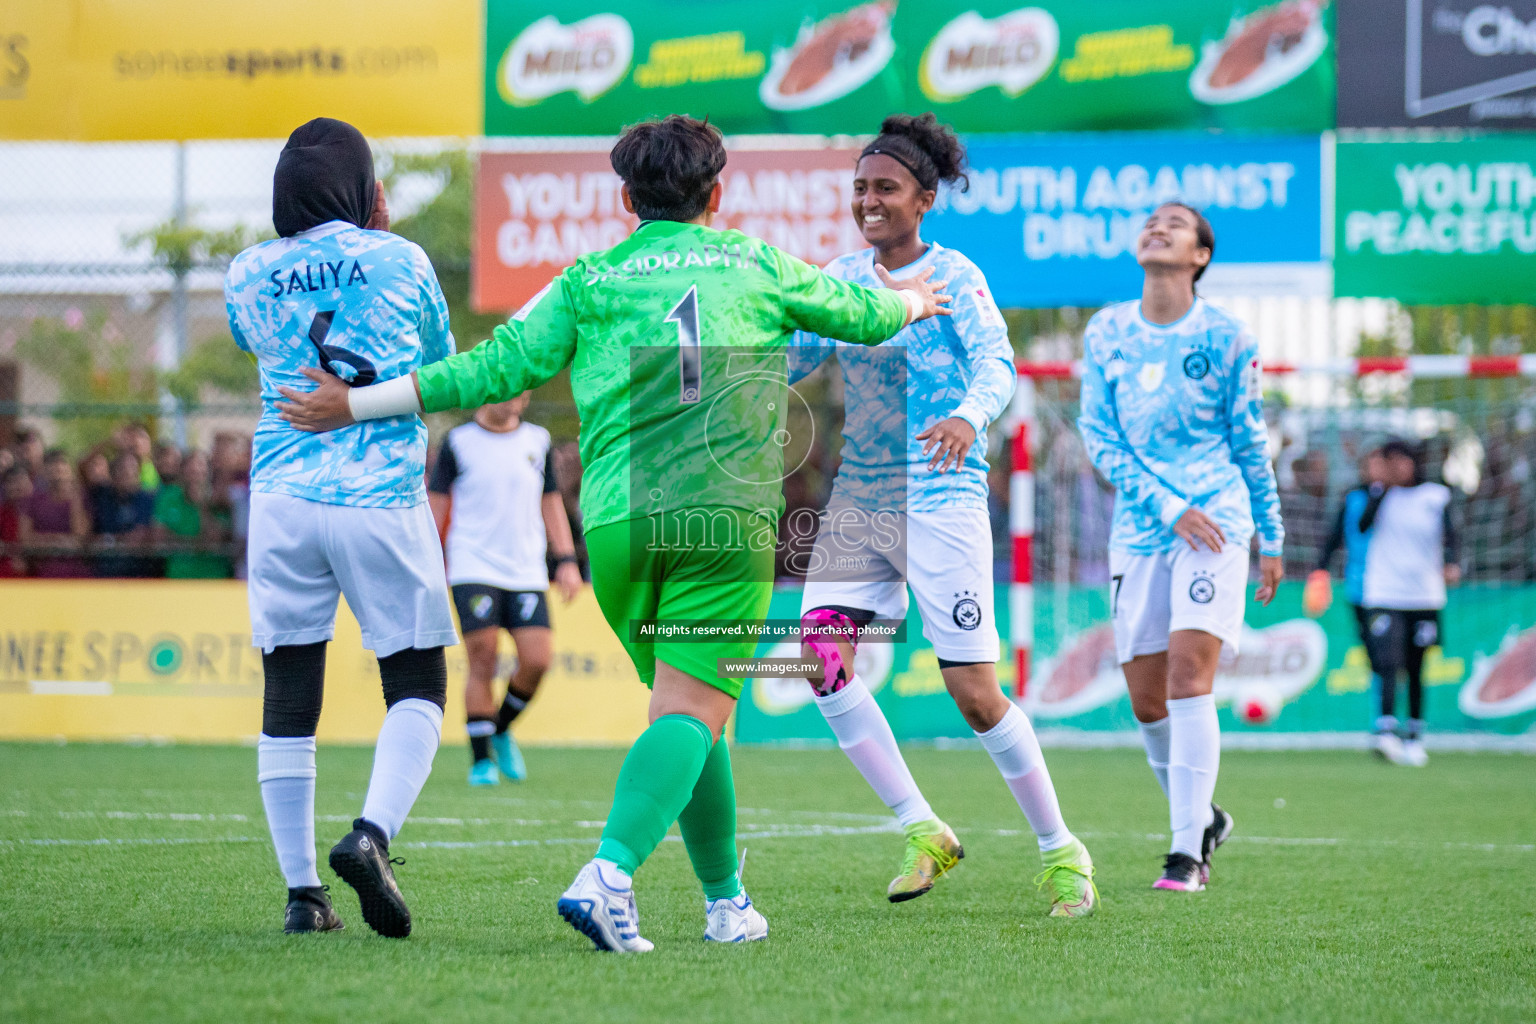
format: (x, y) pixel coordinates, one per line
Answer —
(866, 560)
(387, 562)
(1154, 595)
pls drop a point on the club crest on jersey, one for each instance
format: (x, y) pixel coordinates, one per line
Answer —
(967, 613)
(1197, 365)
(1202, 590)
(1151, 376)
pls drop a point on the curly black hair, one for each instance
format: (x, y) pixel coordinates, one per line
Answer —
(930, 150)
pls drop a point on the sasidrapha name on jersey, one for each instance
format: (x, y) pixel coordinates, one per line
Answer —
(734, 255)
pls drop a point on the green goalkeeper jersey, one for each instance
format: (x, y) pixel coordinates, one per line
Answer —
(676, 339)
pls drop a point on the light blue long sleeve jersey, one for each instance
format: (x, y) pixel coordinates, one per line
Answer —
(386, 312)
(959, 365)
(1173, 416)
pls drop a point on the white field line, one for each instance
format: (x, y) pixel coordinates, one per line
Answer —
(750, 832)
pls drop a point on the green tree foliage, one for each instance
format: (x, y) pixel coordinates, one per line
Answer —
(93, 367)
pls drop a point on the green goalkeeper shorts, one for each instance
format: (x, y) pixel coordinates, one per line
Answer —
(682, 566)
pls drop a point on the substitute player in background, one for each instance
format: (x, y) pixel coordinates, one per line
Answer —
(493, 489)
(919, 451)
(1173, 416)
(341, 514)
(676, 339)
(1414, 553)
(1346, 533)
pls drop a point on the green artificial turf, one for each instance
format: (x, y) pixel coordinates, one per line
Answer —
(1351, 891)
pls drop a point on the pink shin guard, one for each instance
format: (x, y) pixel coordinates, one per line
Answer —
(822, 629)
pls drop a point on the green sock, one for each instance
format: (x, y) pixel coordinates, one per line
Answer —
(708, 824)
(655, 784)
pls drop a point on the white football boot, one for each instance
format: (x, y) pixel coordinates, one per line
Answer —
(734, 920)
(1414, 754)
(603, 913)
(1389, 747)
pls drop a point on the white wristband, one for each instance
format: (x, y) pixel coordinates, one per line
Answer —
(915, 304)
(390, 398)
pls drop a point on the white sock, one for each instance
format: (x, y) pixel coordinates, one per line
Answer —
(1016, 752)
(866, 737)
(1194, 754)
(613, 876)
(285, 768)
(1154, 736)
(402, 760)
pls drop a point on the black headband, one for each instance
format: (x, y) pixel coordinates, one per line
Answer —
(872, 149)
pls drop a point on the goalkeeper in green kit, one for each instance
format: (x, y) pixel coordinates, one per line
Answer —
(676, 339)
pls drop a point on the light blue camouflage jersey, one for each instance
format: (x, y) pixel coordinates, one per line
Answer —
(387, 315)
(959, 365)
(1173, 416)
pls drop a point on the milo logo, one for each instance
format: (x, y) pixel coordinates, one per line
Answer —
(587, 57)
(1012, 51)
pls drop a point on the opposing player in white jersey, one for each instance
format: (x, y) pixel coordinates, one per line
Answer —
(493, 488)
(343, 513)
(1173, 416)
(909, 505)
(1412, 555)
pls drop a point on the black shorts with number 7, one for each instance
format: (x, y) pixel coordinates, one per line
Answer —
(481, 606)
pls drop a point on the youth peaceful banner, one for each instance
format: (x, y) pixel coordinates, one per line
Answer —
(1437, 221)
(575, 67)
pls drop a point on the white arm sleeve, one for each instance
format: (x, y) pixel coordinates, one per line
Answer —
(390, 398)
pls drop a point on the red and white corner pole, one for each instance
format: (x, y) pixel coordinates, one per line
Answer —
(1021, 527)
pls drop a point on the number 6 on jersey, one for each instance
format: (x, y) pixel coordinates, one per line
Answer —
(690, 359)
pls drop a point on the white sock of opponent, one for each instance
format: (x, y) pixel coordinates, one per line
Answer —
(402, 760)
(866, 737)
(1154, 736)
(1194, 754)
(1016, 751)
(285, 768)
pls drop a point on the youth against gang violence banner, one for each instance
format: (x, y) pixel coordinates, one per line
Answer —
(1437, 62)
(1437, 221)
(1053, 221)
(573, 67)
(535, 213)
(189, 69)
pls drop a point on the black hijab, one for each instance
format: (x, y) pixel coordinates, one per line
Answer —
(324, 173)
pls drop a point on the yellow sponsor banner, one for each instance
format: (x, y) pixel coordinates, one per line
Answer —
(189, 69)
(118, 659)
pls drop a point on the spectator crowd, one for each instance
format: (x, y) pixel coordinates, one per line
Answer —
(129, 508)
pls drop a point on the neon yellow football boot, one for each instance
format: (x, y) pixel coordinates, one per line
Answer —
(932, 850)
(1068, 876)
